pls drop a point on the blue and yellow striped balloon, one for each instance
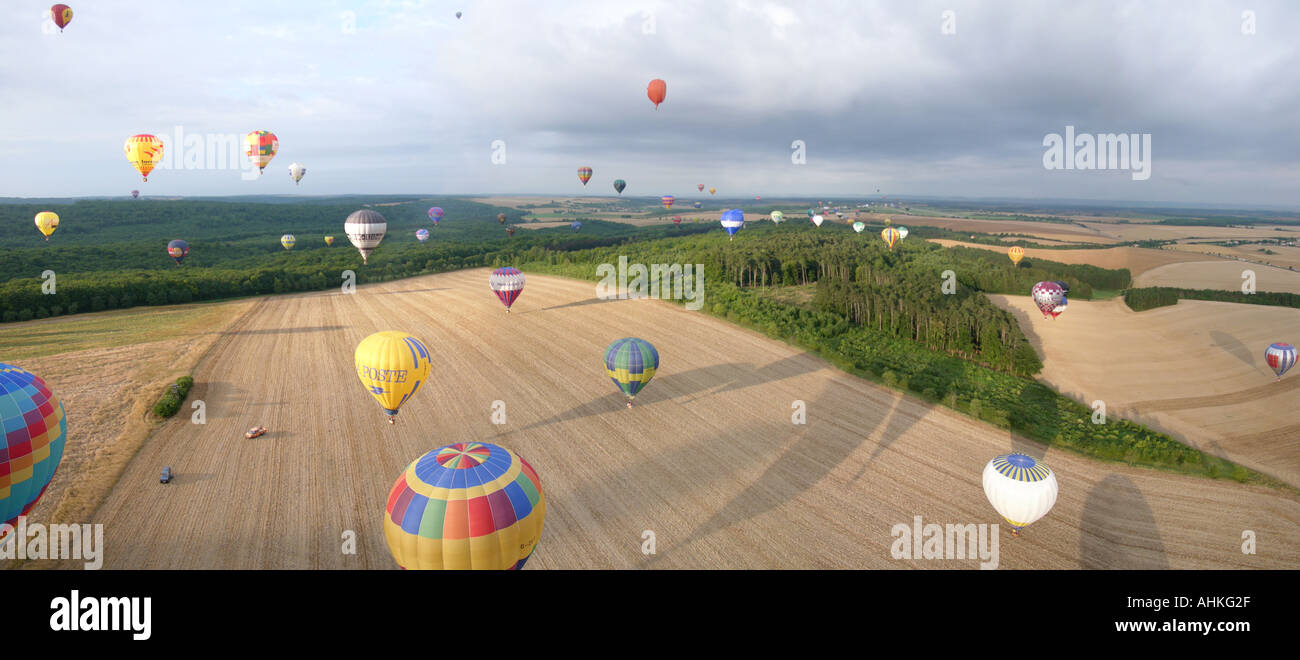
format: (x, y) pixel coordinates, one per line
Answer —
(288, 241)
(392, 366)
(471, 505)
(631, 363)
(33, 429)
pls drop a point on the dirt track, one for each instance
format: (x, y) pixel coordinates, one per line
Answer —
(709, 459)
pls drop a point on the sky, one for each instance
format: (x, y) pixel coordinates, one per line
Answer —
(939, 99)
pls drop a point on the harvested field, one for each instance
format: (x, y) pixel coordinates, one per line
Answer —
(1137, 260)
(1222, 275)
(709, 459)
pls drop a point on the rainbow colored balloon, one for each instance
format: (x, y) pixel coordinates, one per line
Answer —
(667, 201)
(33, 429)
(470, 505)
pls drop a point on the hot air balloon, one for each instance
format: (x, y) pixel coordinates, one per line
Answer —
(507, 283)
(329, 240)
(1021, 489)
(365, 228)
(1048, 296)
(667, 201)
(700, 187)
(466, 506)
(699, 204)
(135, 194)
(890, 236)
(260, 147)
(656, 91)
(501, 218)
(422, 235)
(435, 214)
(177, 250)
(47, 222)
(811, 213)
(1280, 358)
(575, 225)
(777, 217)
(61, 15)
(392, 366)
(732, 220)
(859, 226)
(144, 152)
(889, 221)
(296, 172)
(902, 233)
(510, 231)
(817, 220)
(32, 419)
(758, 198)
(677, 220)
(631, 363)
(1016, 253)
(288, 241)
(457, 14)
(619, 185)
(712, 190)
(584, 175)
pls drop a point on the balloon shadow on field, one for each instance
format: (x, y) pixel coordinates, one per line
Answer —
(389, 293)
(183, 478)
(1117, 529)
(1232, 346)
(714, 379)
(576, 303)
(284, 331)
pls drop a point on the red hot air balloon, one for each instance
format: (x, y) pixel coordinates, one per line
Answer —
(700, 187)
(656, 91)
(584, 175)
(1048, 296)
(677, 219)
(62, 15)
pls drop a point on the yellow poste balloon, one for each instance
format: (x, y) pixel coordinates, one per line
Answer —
(1016, 253)
(144, 152)
(890, 236)
(47, 222)
(392, 366)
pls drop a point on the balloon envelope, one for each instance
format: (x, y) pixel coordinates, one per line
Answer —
(1016, 253)
(700, 187)
(422, 235)
(392, 366)
(777, 217)
(575, 225)
(890, 236)
(1280, 358)
(143, 152)
(1021, 489)
(732, 220)
(902, 233)
(61, 15)
(619, 185)
(657, 90)
(329, 240)
(859, 226)
(667, 201)
(135, 194)
(288, 241)
(712, 190)
(177, 250)
(365, 229)
(296, 172)
(507, 283)
(465, 506)
(32, 419)
(260, 147)
(584, 175)
(817, 220)
(631, 363)
(47, 222)
(1048, 296)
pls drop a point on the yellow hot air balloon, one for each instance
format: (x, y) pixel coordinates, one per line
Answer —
(392, 366)
(1016, 253)
(144, 151)
(712, 190)
(329, 240)
(891, 237)
(47, 222)
(288, 241)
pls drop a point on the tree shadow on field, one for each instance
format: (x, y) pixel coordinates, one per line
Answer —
(1118, 530)
(1232, 346)
(714, 379)
(285, 331)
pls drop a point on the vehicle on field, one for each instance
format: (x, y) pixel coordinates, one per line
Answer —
(167, 475)
(255, 432)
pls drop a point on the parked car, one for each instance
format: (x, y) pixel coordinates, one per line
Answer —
(255, 432)
(167, 475)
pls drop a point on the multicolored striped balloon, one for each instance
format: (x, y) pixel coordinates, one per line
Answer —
(668, 201)
(260, 147)
(507, 283)
(619, 185)
(631, 363)
(33, 429)
(465, 506)
(584, 175)
(1280, 358)
(422, 235)
(288, 241)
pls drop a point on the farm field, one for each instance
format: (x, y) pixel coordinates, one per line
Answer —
(1194, 370)
(708, 459)
(1219, 274)
(1137, 260)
